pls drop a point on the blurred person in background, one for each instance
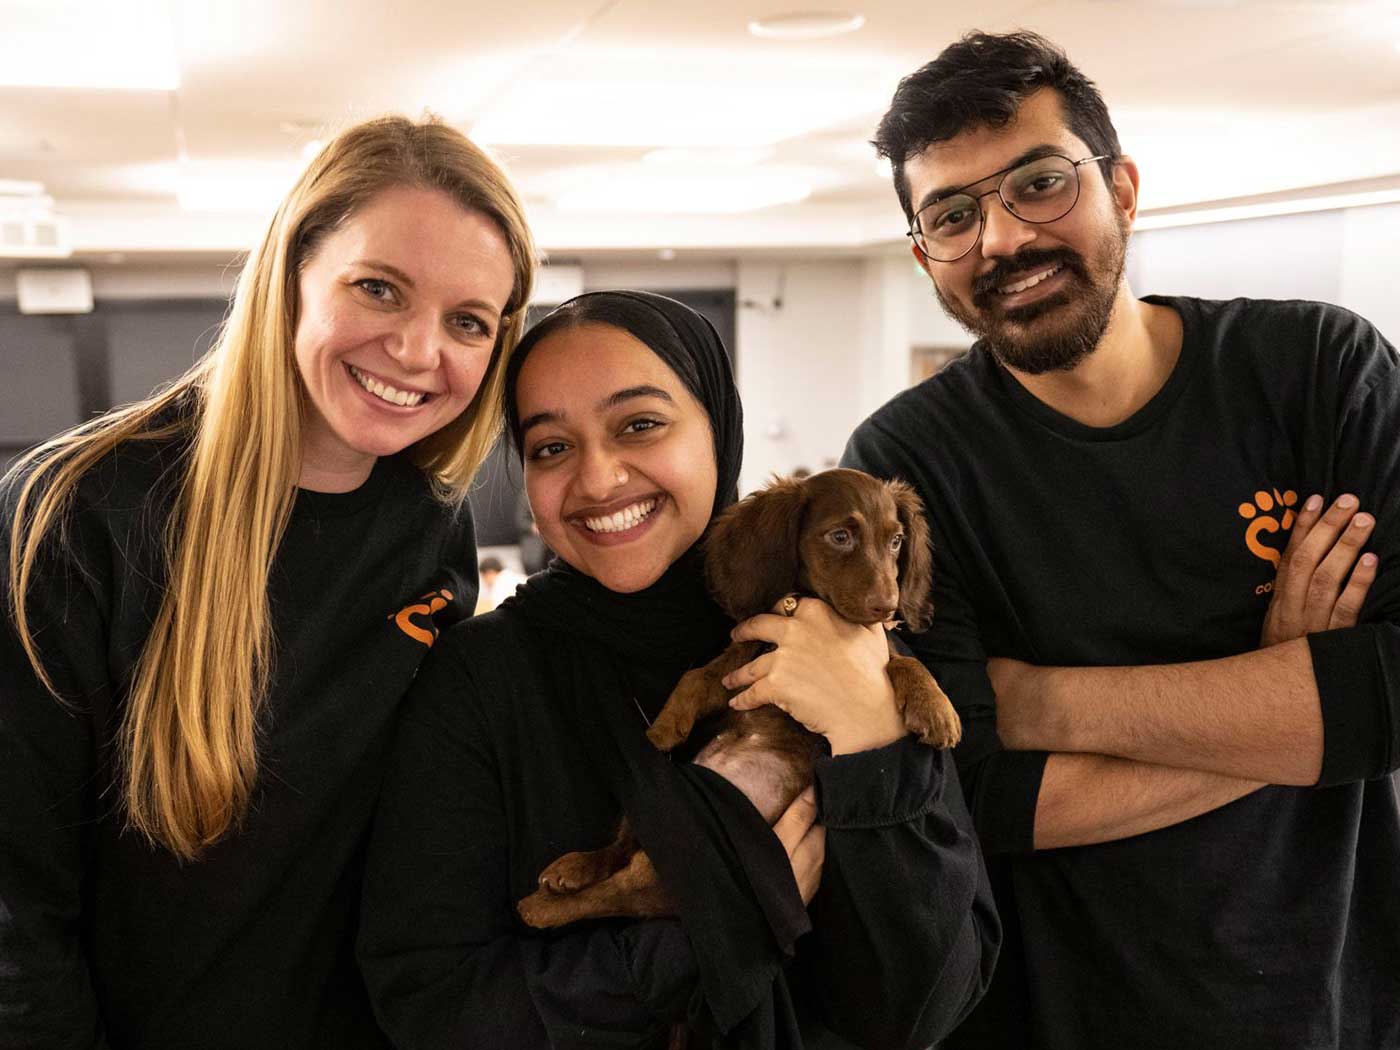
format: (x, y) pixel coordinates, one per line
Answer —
(497, 583)
(217, 598)
(1178, 674)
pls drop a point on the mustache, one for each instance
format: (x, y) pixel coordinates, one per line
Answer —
(984, 287)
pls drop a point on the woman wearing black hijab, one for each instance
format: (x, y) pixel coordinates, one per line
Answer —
(524, 739)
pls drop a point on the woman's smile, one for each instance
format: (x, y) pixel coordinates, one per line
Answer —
(382, 390)
(611, 527)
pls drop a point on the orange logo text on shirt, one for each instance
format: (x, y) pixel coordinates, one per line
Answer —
(424, 630)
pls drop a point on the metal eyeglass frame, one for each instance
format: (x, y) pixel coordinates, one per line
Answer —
(916, 235)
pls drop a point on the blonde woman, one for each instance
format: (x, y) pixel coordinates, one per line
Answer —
(217, 598)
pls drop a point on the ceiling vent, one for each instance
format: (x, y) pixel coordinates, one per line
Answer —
(28, 227)
(34, 237)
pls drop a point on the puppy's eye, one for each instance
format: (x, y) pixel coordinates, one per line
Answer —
(897, 543)
(840, 537)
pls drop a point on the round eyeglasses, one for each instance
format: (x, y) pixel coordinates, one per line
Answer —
(1039, 191)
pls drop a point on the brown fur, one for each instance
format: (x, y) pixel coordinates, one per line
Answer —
(786, 539)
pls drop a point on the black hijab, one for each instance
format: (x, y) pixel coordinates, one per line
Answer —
(614, 656)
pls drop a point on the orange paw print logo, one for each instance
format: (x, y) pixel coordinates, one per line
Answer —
(1270, 512)
(426, 631)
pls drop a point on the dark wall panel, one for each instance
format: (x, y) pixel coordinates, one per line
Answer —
(151, 343)
(40, 392)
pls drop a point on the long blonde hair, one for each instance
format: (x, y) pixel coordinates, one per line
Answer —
(188, 744)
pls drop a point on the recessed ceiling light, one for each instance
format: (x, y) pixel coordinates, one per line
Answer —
(743, 113)
(20, 188)
(716, 193)
(708, 158)
(1198, 4)
(105, 46)
(252, 187)
(20, 198)
(806, 25)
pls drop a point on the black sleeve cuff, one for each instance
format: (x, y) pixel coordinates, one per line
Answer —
(1357, 670)
(1002, 792)
(872, 789)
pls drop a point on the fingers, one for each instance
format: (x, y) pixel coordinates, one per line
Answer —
(1314, 534)
(773, 626)
(1307, 518)
(1286, 608)
(1328, 578)
(1311, 541)
(797, 820)
(1348, 608)
(749, 699)
(765, 627)
(805, 842)
(807, 861)
(751, 672)
(1320, 583)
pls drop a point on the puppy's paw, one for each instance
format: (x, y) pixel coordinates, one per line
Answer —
(544, 909)
(666, 734)
(934, 722)
(575, 871)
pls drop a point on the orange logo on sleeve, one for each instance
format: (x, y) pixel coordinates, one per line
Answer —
(1270, 512)
(427, 631)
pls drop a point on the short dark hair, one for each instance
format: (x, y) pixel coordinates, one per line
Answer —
(981, 81)
(490, 563)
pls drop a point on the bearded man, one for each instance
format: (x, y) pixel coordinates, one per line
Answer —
(1178, 672)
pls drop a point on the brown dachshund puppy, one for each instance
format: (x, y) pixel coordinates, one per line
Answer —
(859, 544)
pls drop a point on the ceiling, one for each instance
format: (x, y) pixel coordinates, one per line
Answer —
(1221, 101)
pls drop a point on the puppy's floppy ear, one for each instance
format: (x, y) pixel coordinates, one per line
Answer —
(915, 559)
(751, 551)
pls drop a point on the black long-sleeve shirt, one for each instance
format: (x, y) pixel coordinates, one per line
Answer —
(487, 785)
(1273, 921)
(108, 942)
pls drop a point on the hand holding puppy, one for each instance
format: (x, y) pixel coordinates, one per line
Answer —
(826, 672)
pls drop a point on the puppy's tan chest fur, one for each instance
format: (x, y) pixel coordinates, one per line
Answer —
(765, 754)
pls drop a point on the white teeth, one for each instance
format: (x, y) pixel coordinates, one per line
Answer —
(623, 519)
(1029, 282)
(385, 392)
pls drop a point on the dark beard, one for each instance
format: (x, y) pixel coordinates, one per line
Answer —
(1085, 306)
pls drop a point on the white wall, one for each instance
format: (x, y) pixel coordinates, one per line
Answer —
(1286, 257)
(1370, 264)
(659, 275)
(1348, 257)
(800, 363)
